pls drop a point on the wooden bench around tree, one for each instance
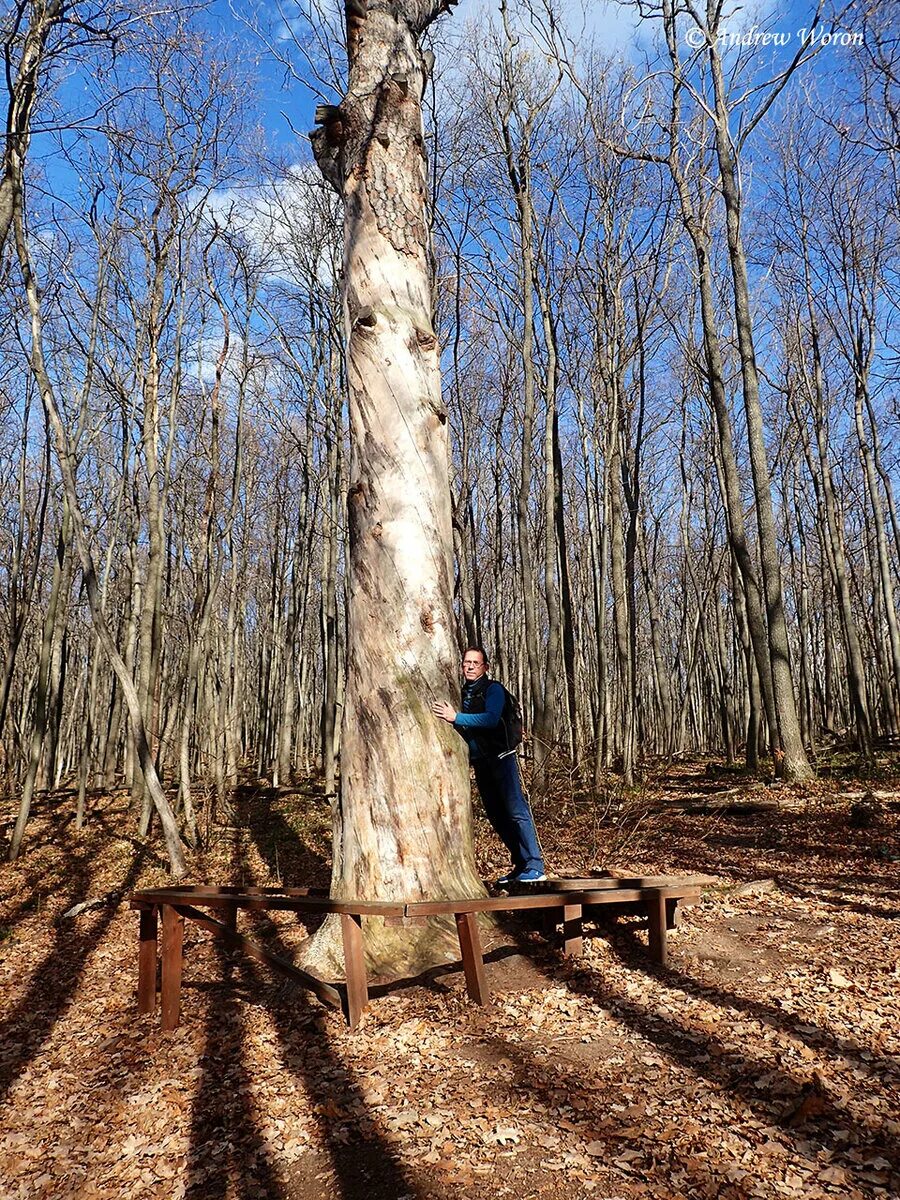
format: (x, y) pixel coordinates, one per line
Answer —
(658, 899)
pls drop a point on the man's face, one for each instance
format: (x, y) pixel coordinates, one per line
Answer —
(474, 665)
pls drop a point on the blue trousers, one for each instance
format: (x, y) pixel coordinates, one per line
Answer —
(507, 809)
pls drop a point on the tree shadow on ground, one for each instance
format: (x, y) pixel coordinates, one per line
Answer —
(844, 903)
(226, 1143)
(55, 979)
(857, 883)
(364, 1164)
(601, 1111)
(633, 953)
(707, 1057)
(754, 1082)
(825, 837)
(284, 851)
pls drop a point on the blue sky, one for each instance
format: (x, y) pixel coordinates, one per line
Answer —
(283, 107)
(616, 27)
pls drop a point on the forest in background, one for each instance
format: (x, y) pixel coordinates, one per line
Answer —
(667, 301)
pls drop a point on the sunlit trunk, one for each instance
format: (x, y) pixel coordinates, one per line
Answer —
(403, 821)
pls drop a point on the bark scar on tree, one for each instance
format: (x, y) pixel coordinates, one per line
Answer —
(365, 318)
(355, 12)
(439, 411)
(425, 338)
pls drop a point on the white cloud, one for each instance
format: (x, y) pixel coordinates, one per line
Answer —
(208, 351)
(288, 222)
(615, 28)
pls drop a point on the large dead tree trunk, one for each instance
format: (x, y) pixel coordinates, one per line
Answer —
(403, 820)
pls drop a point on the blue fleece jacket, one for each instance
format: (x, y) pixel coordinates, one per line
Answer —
(470, 724)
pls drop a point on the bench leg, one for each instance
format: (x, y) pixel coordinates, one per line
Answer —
(656, 925)
(172, 959)
(573, 942)
(472, 956)
(149, 924)
(354, 968)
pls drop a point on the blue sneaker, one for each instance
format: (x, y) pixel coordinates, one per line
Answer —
(505, 880)
(529, 875)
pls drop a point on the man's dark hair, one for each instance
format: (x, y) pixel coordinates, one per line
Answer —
(477, 650)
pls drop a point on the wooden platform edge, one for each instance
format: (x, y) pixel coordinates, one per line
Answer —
(588, 898)
(219, 898)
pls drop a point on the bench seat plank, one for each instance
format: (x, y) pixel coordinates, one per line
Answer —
(255, 901)
(422, 908)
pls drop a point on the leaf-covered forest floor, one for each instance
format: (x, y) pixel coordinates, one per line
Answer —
(764, 1061)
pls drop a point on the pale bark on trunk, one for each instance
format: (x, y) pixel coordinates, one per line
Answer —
(523, 493)
(545, 730)
(330, 584)
(566, 600)
(597, 575)
(232, 687)
(601, 566)
(621, 620)
(462, 508)
(403, 824)
(21, 591)
(517, 160)
(804, 625)
(48, 771)
(209, 576)
(151, 612)
(661, 670)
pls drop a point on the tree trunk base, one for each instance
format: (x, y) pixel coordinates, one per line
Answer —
(393, 951)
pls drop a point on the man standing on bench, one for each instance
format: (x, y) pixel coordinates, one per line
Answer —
(484, 724)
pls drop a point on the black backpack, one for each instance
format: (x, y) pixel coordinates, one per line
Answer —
(508, 734)
(512, 719)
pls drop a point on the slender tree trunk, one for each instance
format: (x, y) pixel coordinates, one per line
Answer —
(39, 721)
(619, 588)
(22, 79)
(791, 760)
(67, 467)
(837, 557)
(545, 728)
(885, 579)
(22, 592)
(330, 584)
